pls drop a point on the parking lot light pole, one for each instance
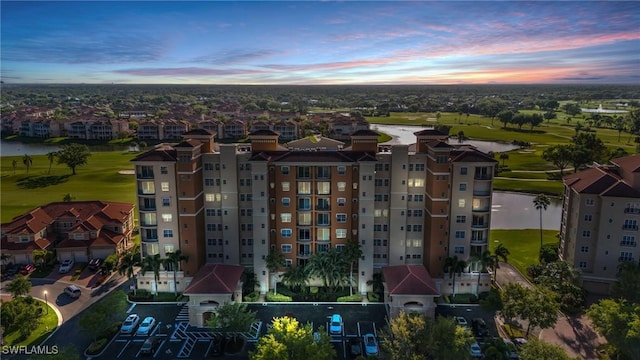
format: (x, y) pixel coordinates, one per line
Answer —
(46, 302)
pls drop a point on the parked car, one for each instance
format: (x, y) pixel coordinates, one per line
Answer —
(27, 269)
(479, 327)
(73, 291)
(511, 352)
(462, 321)
(146, 326)
(66, 266)
(130, 324)
(335, 326)
(95, 263)
(355, 347)
(370, 345)
(150, 346)
(475, 350)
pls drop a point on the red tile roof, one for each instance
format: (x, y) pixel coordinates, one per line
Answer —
(629, 163)
(409, 280)
(215, 279)
(600, 180)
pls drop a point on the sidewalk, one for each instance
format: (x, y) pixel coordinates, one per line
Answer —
(572, 333)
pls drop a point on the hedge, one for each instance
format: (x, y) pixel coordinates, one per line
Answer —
(278, 297)
(252, 297)
(350, 298)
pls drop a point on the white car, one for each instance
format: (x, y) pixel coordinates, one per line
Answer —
(146, 326)
(130, 324)
(462, 322)
(335, 326)
(475, 350)
(66, 266)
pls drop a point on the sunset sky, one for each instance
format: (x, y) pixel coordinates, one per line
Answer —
(314, 42)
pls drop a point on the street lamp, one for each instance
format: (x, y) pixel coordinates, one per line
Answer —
(46, 302)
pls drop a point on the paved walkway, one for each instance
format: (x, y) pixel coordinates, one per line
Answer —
(572, 333)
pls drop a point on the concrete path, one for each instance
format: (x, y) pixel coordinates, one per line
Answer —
(572, 333)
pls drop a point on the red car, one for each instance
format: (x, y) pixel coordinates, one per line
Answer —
(27, 269)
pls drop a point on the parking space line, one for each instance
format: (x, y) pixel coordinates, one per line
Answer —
(130, 309)
(124, 348)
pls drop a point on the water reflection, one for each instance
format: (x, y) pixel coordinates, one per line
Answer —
(517, 211)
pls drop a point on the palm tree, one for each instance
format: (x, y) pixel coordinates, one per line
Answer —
(504, 157)
(172, 262)
(14, 164)
(51, 156)
(454, 266)
(274, 261)
(330, 267)
(152, 263)
(40, 256)
(296, 277)
(19, 286)
(352, 253)
(460, 136)
(27, 161)
(127, 266)
(487, 262)
(541, 201)
(500, 252)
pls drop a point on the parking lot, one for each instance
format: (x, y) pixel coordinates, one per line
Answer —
(179, 341)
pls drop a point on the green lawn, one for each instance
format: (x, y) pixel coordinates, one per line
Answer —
(99, 180)
(524, 245)
(48, 323)
(550, 187)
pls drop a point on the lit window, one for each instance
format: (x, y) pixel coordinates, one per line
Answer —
(324, 188)
(304, 187)
(165, 186)
(285, 217)
(167, 217)
(147, 187)
(341, 233)
(461, 203)
(323, 234)
(285, 186)
(342, 186)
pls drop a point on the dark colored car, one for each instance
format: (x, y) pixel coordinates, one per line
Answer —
(27, 269)
(95, 263)
(150, 346)
(480, 328)
(355, 347)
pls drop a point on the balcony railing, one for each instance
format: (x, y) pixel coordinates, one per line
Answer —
(478, 241)
(481, 209)
(482, 177)
(622, 258)
(628, 244)
(304, 255)
(479, 225)
(145, 175)
(630, 227)
(481, 193)
(146, 239)
(632, 210)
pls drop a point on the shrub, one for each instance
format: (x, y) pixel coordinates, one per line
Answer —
(278, 297)
(373, 296)
(252, 297)
(96, 346)
(350, 298)
(140, 295)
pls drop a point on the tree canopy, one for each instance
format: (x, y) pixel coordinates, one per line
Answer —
(73, 155)
(619, 322)
(287, 339)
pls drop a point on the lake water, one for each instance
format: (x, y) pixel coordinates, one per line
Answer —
(15, 148)
(403, 134)
(516, 211)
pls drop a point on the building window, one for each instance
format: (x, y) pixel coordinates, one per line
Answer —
(419, 167)
(341, 218)
(284, 170)
(586, 233)
(584, 249)
(342, 170)
(630, 224)
(168, 233)
(589, 202)
(342, 186)
(286, 248)
(461, 219)
(461, 203)
(147, 187)
(628, 240)
(304, 172)
(323, 172)
(341, 233)
(463, 171)
(304, 234)
(323, 219)
(304, 218)
(588, 217)
(460, 234)
(208, 166)
(304, 187)
(582, 264)
(304, 203)
(286, 233)
(626, 256)
(285, 201)
(167, 218)
(463, 187)
(285, 217)
(323, 234)
(458, 250)
(164, 170)
(342, 201)
(285, 186)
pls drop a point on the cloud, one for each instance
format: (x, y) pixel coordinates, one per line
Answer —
(184, 71)
(237, 56)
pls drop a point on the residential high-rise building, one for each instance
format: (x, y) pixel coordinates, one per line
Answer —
(234, 203)
(600, 217)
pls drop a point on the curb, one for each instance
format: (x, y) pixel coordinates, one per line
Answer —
(58, 314)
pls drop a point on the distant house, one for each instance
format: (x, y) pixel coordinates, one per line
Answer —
(77, 230)
(173, 129)
(150, 130)
(409, 288)
(288, 130)
(235, 129)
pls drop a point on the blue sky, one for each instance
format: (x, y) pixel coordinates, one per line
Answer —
(349, 42)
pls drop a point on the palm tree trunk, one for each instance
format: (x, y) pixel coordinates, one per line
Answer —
(351, 280)
(540, 232)
(175, 283)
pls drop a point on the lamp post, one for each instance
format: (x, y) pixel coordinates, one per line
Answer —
(46, 302)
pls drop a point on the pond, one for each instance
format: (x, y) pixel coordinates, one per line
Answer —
(516, 211)
(403, 134)
(16, 148)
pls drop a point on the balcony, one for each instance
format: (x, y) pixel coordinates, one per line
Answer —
(628, 244)
(630, 227)
(148, 240)
(478, 241)
(304, 255)
(632, 210)
(145, 174)
(629, 259)
(481, 209)
(482, 193)
(480, 225)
